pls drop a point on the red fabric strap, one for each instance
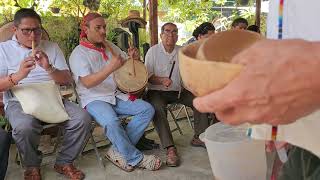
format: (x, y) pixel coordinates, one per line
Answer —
(91, 46)
(132, 97)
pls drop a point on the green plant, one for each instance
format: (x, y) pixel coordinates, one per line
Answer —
(3, 121)
(111, 35)
(182, 10)
(71, 41)
(68, 36)
(63, 27)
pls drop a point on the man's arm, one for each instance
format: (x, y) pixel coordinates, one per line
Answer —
(95, 79)
(278, 85)
(153, 79)
(156, 80)
(62, 77)
(5, 83)
(8, 81)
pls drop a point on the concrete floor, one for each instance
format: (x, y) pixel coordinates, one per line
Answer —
(194, 163)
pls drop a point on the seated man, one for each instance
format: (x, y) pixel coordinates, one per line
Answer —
(254, 28)
(4, 152)
(204, 30)
(93, 63)
(19, 65)
(165, 87)
(240, 24)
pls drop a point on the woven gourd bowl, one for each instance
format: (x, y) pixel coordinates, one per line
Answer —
(205, 65)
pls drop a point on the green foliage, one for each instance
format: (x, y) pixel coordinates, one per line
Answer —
(115, 10)
(220, 2)
(67, 36)
(3, 121)
(70, 7)
(7, 9)
(63, 27)
(185, 10)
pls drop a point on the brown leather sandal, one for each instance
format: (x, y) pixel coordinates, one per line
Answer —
(70, 171)
(172, 157)
(196, 142)
(32, 173)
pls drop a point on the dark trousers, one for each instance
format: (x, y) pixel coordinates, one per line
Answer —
(160, 100)
(302, 165)
(5, 141)
(26, 132)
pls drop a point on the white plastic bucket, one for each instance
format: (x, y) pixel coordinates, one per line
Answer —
(234, 156)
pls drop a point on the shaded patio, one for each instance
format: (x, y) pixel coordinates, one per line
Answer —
(195, 163)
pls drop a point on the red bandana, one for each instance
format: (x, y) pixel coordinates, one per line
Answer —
(85, 20)
(91, 46)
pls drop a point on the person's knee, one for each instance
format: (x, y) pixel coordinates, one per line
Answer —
(148, 109)
(112, 126)
(111, 123)
(26, 127)
(155, 99)
(157, 105)
(84, 119)
(24, 132)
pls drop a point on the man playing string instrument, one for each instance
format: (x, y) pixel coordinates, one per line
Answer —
(93, 63)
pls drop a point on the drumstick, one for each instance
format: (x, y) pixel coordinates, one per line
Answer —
(133, 66)
(174, 62)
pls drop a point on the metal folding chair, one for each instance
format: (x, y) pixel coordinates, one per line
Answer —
(90, 135)
(18, 157)
(173, 107)
(188, 116)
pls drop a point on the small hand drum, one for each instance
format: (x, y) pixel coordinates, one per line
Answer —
(132, 77)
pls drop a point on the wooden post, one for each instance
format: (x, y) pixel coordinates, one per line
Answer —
(144, 16)
(258, 12)
(153, 21)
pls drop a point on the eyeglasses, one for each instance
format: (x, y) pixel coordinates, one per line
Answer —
(168, 32)
(28, 31)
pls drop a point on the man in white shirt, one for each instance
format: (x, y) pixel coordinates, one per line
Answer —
(18, 65)
(165, 87)
(93, 63)
(280, 83)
